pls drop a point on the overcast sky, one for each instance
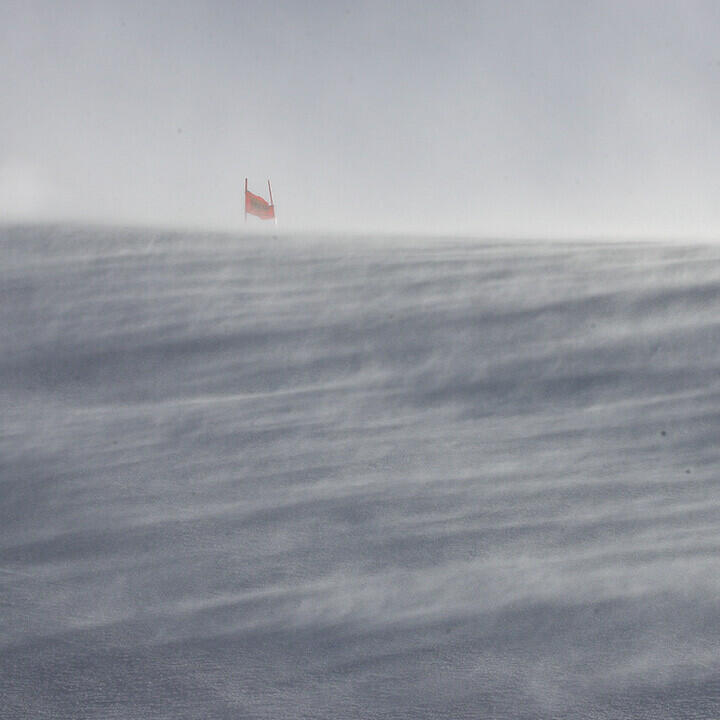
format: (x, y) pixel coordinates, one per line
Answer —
(533, 118)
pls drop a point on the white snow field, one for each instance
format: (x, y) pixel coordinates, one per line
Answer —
(276, 478)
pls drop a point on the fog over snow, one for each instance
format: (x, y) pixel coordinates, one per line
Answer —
(443, 443)
(533, 118)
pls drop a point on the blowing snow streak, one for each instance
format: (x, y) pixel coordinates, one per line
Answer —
(348, 480)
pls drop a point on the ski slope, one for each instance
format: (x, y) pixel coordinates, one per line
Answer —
(276, 478)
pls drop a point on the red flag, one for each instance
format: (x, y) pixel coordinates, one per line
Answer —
(255, 205)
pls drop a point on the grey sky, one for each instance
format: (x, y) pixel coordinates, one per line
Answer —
(539, 118)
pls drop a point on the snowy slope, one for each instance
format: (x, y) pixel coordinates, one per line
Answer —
(340, 478)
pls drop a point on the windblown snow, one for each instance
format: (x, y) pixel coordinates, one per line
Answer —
(278, 478)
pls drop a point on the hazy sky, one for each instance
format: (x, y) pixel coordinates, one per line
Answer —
(506, 117)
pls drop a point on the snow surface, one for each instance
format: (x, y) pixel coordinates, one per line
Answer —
(259, 477)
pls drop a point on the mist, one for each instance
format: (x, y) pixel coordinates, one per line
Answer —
(442, 442)
(486, 118)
